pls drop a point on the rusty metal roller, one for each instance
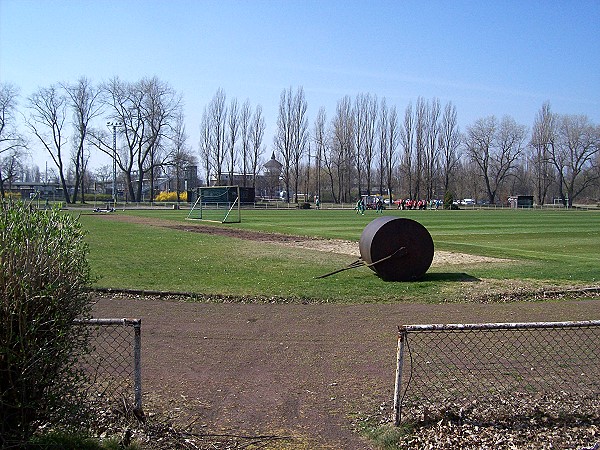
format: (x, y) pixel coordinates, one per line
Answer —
(397, 249)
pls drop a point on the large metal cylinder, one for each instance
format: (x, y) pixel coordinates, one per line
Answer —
(409, 243)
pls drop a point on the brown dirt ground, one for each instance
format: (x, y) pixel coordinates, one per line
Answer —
(300, 372)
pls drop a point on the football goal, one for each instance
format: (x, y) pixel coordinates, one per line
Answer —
(217, 204)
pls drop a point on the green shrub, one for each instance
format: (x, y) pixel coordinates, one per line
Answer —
(448, 200)
(44, 287)
(171, 196)
(14, 196)
(77, 441)
(99, 197)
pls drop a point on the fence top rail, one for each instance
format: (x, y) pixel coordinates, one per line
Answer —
(124, 321)
(498, 326)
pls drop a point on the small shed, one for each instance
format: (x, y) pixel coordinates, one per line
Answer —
(521, 201)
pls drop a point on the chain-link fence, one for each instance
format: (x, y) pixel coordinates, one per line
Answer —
(113, 364)
(492, 372)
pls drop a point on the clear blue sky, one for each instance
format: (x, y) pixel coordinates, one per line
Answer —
(487, 57)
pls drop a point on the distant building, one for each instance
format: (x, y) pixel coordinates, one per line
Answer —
(239, 179)
(50, 191)
(272, 174)
(267, 184)
(191, 180)
(520, 201)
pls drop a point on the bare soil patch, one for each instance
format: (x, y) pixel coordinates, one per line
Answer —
(305, 376)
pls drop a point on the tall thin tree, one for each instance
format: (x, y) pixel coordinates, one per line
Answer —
(12, 142)
(245, 136)
(450, 140)
(217, 117)
(84, 101)
(257, 134)
(320, 139)
(543, 137)
(393, 136)
(407, 139)
(48, 108)
(233, 131)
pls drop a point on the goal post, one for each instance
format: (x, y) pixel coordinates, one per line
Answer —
(217, 204)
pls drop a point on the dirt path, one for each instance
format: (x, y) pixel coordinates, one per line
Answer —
(301, 371)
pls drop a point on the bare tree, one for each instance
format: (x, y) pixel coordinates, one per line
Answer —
(479, 147)
(333, 164)
(320, 139)
(383, 129)
(180, 156)
(393, 136)
(47, 122)
(495, 148)
(284, 137)
(11, 168)
(511, 143)
(205, 145)
(300, 135)
(431, 153)
(118, 97)
(246, 132)
(103, 175)
(407, 139)
(233, 129)
(292, 135)
(85, 104)
(217, 117)
(12, 143)
(420, 144)
(342, 146)
(161, 110)
(256, 135)
(9, 137)
(145, 112)
(307, 186)
(370, 139)
(449, 143)
(573, 155)
(359, 111)
(543, 137)
(365, 118)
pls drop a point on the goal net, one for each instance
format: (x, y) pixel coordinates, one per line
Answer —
(217, 204)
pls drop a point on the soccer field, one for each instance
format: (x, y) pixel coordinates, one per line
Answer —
(525, 250)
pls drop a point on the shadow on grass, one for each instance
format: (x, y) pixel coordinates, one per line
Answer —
(449, 277)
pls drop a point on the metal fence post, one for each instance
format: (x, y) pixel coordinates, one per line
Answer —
(402, 335)
(137, 364)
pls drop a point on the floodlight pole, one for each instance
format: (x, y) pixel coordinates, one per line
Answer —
(114, 126)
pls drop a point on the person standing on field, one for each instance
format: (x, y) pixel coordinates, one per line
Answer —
(360, 207)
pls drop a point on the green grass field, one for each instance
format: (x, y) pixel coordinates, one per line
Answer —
(545, 248)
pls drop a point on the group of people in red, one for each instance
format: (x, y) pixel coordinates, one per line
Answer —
(408, 203)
